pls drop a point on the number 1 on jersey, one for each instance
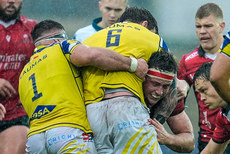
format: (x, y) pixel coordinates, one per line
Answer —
(36, 94)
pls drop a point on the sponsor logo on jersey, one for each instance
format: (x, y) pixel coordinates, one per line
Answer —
(36, 60)
(122, 25)
(42, 110)
(191, 56)
(11, 62)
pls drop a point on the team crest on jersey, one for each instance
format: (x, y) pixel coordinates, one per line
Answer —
(8, 38)
(42, 110)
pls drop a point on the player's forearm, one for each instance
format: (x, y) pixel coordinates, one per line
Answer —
(214, 148)
(110, 61)
(183, 142)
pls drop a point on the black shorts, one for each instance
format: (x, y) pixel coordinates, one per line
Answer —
(19, 121)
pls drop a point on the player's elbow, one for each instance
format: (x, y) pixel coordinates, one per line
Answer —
(189, 144)
(191, 147)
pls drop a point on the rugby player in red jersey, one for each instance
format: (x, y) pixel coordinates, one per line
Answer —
(212, 100)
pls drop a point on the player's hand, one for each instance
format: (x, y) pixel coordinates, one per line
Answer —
(2, 111)
(182, 89)
(162, 134)
(6, 89)
(142, 68)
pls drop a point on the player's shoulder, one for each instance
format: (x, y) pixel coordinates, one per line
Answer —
(85, 29)
(83, 33)
(194, 55)
(29, 23)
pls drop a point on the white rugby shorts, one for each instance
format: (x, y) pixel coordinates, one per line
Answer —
(61, 140)
(122, 125)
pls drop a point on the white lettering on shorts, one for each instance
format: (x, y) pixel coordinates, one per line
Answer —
(129, 124)
(60, 138)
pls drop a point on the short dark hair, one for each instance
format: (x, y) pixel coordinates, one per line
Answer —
(208, 9)
(203, 71)
(163, 61)
(138, 15)
(44, 26)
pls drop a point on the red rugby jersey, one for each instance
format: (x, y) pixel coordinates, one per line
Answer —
(16, 47)
(222, 131)
(188, 65)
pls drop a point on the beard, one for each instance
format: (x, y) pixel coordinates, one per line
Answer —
(8, 17)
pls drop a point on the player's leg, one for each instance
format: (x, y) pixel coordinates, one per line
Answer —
(13, 140)
(13, 135)
(131, 128)
(97, 117)
(36, 144)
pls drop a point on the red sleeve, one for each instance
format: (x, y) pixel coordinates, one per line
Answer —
(222, 131)
(181, 70)
(178, 109)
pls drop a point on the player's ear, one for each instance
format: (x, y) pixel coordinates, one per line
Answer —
(99, 5)
(222, 25)
(144, 23)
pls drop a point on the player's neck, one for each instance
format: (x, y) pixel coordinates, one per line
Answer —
(102, 24)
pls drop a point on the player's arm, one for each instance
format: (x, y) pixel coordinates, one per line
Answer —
(214, 148)
(182, 139)
(183, 86)
(107, 59)
(2, 111)
(182, 89)
(220, 75)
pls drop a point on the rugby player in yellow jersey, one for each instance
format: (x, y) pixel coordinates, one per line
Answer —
(50, 89)
(115, 104)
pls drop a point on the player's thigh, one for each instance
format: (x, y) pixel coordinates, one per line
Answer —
(36, 144)
(13, 139)
(96, 114)
(132, 130)
(97, 117)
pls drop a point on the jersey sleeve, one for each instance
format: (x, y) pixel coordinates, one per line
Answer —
(178, 109)
(182, 69)
(163, 45)
(225, 48)
(221, 133)
(68, 46)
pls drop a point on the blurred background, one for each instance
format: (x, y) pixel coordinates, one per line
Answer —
(176, 21)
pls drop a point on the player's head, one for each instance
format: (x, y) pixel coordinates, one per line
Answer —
(203, 86)
(48, 31)
(141, 16)
(162, 70)
(209, 26)
(9, 10)
(111, 10)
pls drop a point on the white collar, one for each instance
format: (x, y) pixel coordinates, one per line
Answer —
(7, 24)
(211, 56)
